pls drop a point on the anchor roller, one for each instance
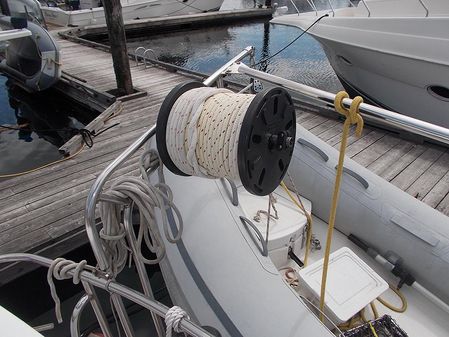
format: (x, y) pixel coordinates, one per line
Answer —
(216, 133)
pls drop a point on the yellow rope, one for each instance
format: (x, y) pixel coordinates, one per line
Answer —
(372, 330)
(3, 176)
(390, 306)
(299, 204)
(352, 117)
(374, 309)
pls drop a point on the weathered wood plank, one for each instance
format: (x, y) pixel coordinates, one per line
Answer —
(443, 206)
(424, 184)
(404, 179)
(383, 163)
(376, 150)
(401, 163)
(75, 142)
(439, 191)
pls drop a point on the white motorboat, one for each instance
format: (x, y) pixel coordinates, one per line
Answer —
(90, 12)
(392, 52)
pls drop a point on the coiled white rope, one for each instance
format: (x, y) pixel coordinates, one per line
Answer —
(146, 198)
(173, 319)
(203, 130)
(59, 269)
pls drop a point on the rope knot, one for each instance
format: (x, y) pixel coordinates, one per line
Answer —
(352, 114)
(173, 319)
(59, 269)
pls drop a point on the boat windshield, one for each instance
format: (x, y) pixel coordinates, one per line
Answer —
(26, 8)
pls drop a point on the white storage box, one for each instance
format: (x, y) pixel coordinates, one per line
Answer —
(285, 232)
(351, 284)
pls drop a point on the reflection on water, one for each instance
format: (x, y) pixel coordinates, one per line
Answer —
(206, 49)
(45, 121)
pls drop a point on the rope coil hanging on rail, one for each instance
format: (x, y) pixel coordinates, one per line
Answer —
(145, 197)
(215, 133)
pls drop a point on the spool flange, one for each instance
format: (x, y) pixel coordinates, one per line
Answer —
(162, 120)
(266, 141)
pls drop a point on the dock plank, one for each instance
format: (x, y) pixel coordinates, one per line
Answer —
(413, 171)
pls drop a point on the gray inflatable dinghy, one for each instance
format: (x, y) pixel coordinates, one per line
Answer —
(376, 211)
(220, 275)
(34, 61)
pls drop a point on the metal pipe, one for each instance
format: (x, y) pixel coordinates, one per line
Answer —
(76, 316)
(122, 315)
(312, 4)
(332, 7)
(430, 296)
(403, 122)
(244, 53)
(112, 287)
(425, 7)
(296, 8)
(367, 8)
(98, 310)
(94, 194)
(140, 266)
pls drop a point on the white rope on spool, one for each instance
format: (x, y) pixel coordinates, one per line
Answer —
(203, 131)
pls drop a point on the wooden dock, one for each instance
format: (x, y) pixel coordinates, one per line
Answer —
(42, 212)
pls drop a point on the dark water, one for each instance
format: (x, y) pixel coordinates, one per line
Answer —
(207, 49)
(45, 121)
(203, 50)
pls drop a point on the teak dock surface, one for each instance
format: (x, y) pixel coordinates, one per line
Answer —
(43, 212)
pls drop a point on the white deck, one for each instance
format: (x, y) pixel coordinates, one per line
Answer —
(422, 318)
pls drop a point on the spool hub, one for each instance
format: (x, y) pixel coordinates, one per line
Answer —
(266, 141)
(266, 137)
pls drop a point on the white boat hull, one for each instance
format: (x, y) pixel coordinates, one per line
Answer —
(130, 11)
(395, 62)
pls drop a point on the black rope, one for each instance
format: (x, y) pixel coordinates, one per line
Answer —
(86, 135)
(288, 45)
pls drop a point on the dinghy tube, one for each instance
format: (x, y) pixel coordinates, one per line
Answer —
(387, 218)
(34, 61)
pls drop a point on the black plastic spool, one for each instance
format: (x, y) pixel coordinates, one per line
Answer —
(266, 138)
(162, 120)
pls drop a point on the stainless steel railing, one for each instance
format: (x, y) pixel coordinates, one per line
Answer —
(113, 288)
(313, 6)
(368, 111)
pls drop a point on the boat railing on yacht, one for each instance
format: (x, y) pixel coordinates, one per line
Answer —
(369, 9)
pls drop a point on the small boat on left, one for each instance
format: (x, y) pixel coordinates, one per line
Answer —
(32, 57)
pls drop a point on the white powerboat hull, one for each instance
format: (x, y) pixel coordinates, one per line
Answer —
(399, 63)
(130, 11)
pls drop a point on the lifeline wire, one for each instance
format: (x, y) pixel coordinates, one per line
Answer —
(293, 41)
(203, 130)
